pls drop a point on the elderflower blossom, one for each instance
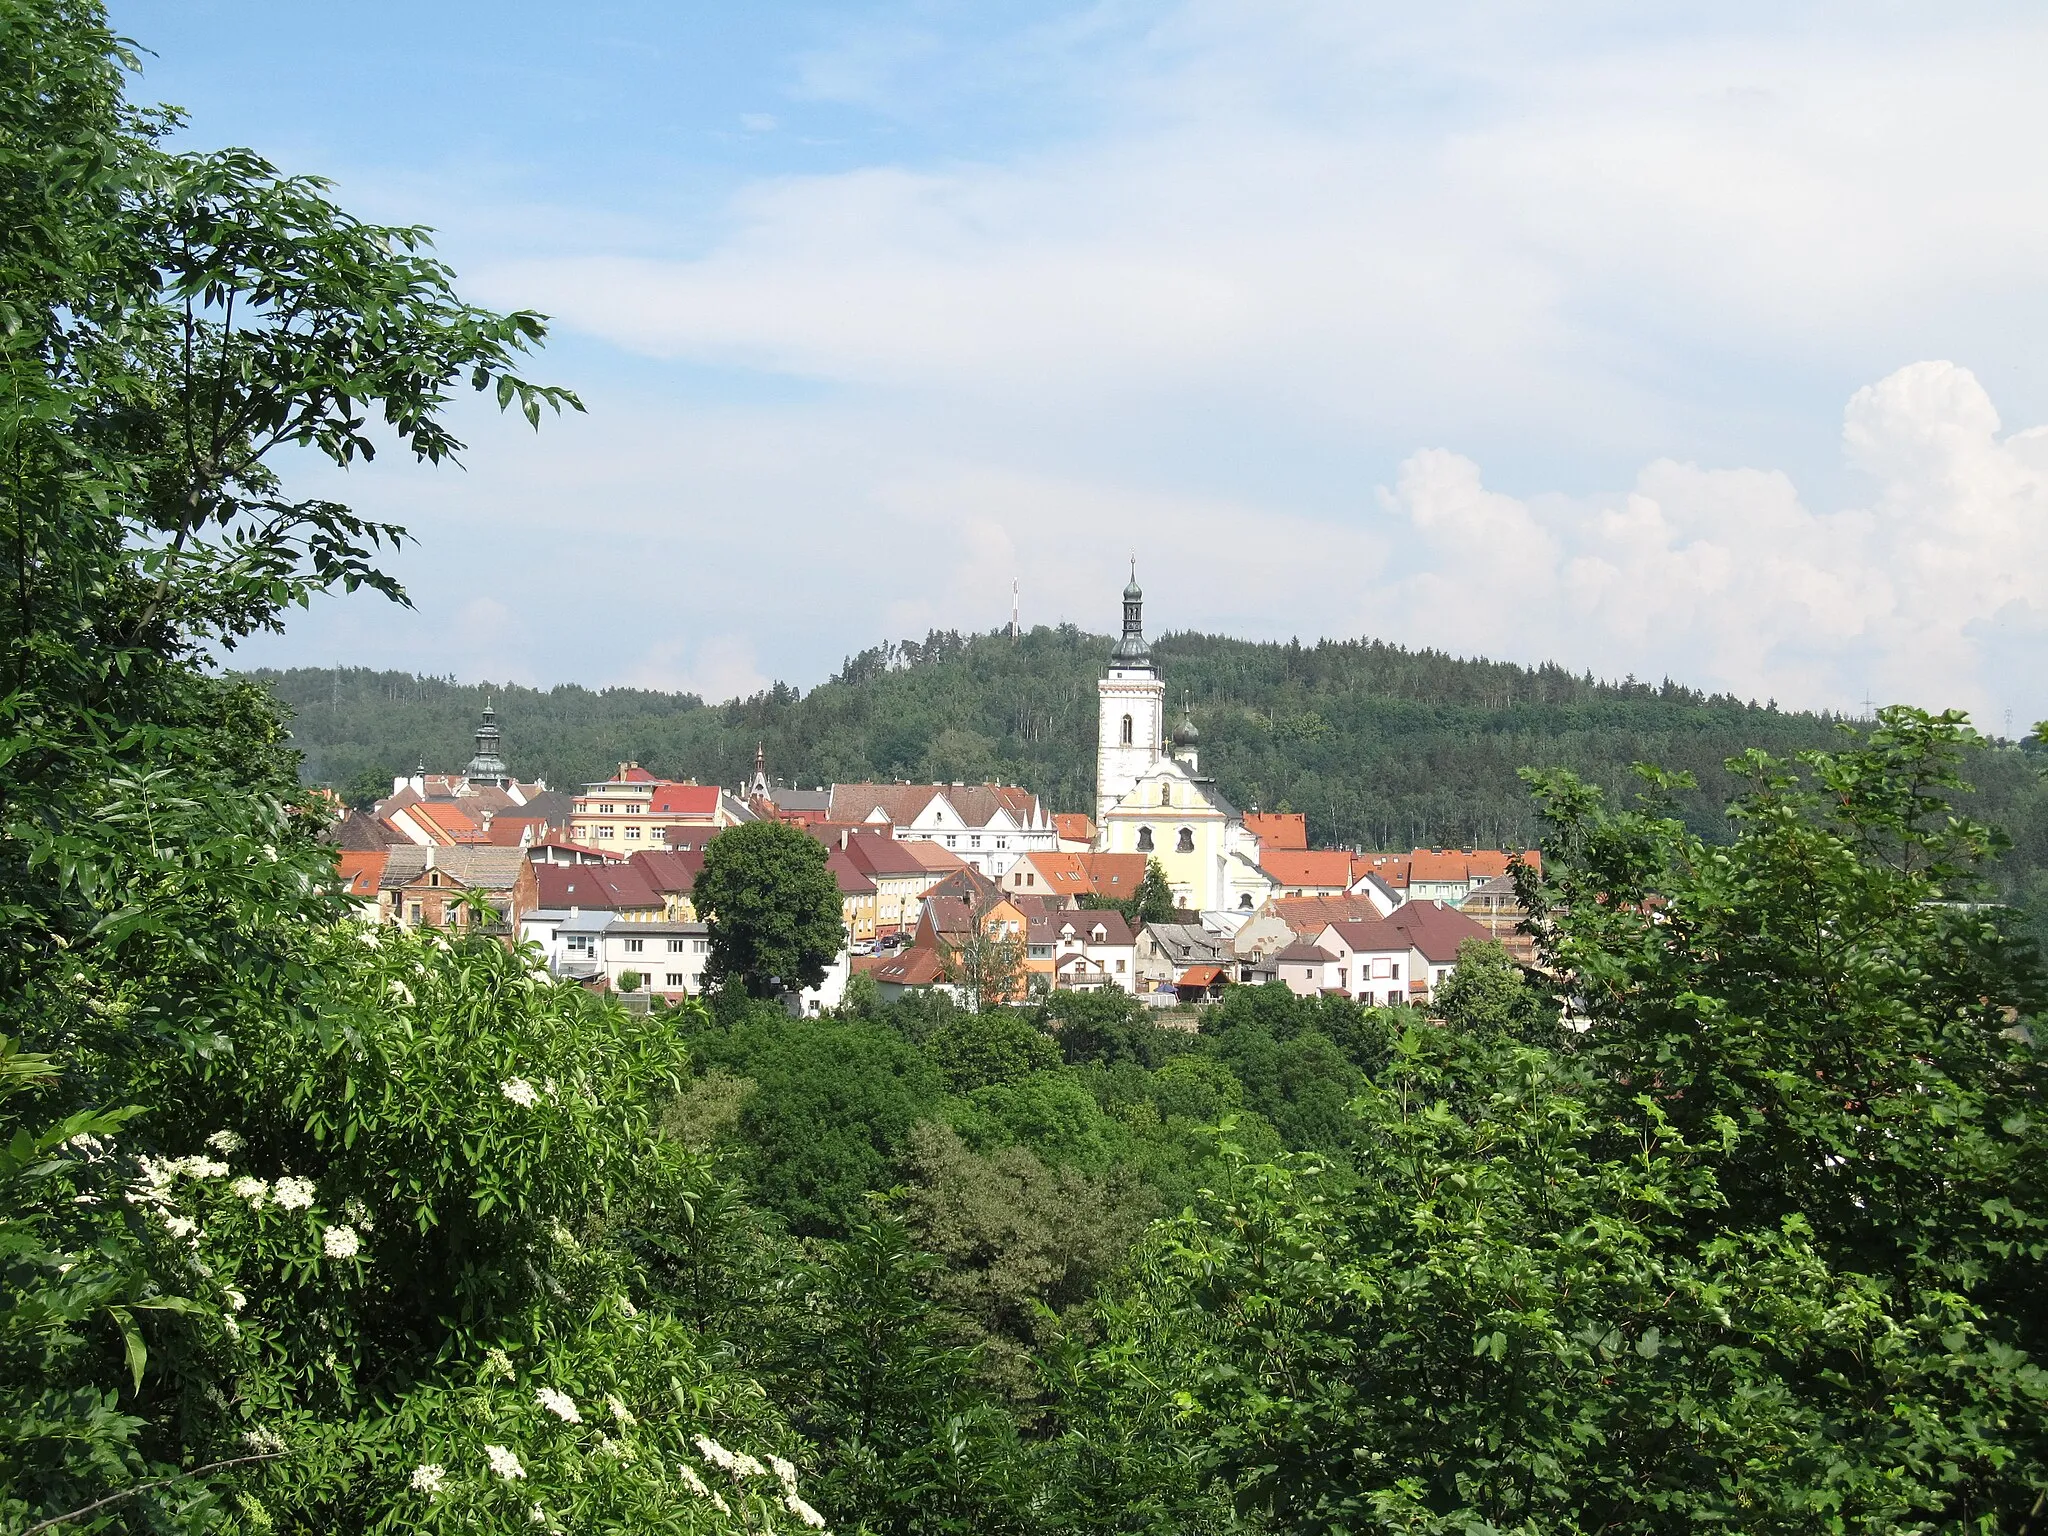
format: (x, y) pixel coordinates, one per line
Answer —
(498, 1363)
(233, 1328)
(226, 1143)
(264, 1441)
(560, 1404)
(340, 1242)
(785, 1473)
(504, 1462)
(617, 1450)
(744, 1465)
(536, 1516)
(358, 1213)
(803, 1512)
(294, 1194)
(714, 1453)
(519, 1091)
(236, 1300)
(180, 1226)
(618, 1407)
(429, 1477)
(627, 1310)
(255, 1191)
(200, 1168)
(692, 1481)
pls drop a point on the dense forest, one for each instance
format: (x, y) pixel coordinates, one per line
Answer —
(1729, 1216)
(1379, 746)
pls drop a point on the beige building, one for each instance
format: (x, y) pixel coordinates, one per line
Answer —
(633, 811)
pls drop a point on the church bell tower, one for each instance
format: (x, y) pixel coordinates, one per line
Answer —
(1131, 709)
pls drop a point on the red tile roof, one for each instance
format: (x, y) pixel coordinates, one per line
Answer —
(361, 870)
(1320, 869)
(918, 966)
(1455, 865)
(1073, 827)
(699, 801)
(1278, 829)
(1429, 927)
(617, 887)
(668, 870)
(1199, 976)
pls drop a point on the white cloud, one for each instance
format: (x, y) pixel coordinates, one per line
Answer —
(1724, 579)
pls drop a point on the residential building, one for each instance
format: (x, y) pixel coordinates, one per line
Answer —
(1399, 958)
(633, 810)
(672, 875)
(486, 785)
(900, 876)
(1090, 950)
(1070, 876)
(1166, 952)
(422, 886)
(1307, 872)
(569, 940)
(1435, 874)
(1076, 832)
(1284, 831)
(1304, 968)
(987, 826)
(667, 959)
(916, 969)
(1285, 920)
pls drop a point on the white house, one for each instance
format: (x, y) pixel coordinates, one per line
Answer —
(1089, 950)
(988, 826)
(1400, 958)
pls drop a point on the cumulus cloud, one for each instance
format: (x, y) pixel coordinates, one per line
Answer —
(1724, 578)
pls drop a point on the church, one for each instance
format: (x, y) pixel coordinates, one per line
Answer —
(1150, 795)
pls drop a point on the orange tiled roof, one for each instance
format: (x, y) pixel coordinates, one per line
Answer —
(1073, 827)
(1278, 829)
(697, 800)
(1454, 864)
(1327, 869)
(361, 870)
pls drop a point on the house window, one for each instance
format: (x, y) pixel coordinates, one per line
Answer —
(1030, 879)
(414, 909)
(1185, 843)
(1119, 965)
(434, 878)
(700, 946)
(952, 841)
(1144, 839)
(675, 946)
(1127, 730)
(676, 980)
(606, 810)
(633, 834)
(635, 946)
(975, 841)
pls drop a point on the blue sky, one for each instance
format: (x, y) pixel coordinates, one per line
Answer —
(1653, 339)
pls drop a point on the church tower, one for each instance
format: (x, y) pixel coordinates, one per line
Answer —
(488, 767)
(1131, 710)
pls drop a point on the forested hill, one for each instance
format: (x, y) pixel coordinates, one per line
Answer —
(1380, 746)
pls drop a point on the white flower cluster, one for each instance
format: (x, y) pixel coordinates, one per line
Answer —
(504, 1462)
(340, 1242)
(497, 1363)
(560, 1404)
(739, 1465)
(255, 1191)
(429, 1477)
(293, 1194)
(180, 1226)
(358, 1213)
(618, 1407)
(520, 1092)
(226, 1143)
(264, 1441)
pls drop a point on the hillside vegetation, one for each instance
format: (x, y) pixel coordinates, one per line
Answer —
(1378, 745)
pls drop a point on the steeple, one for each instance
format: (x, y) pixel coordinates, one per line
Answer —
(1131, 653)
(487, 767)
(758, 787)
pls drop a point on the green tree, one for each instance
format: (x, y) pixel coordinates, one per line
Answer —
(1151, 902)
(1486, 990)
(772, 908)
(987, 966)
(975, 1050)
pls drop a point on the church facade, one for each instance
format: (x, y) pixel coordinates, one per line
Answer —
(1150, 795)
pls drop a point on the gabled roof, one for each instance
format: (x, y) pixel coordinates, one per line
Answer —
(697, 801)
(667, 870)
(1277, 830)
(1199, 976)
(1428, 927)
(1456, 865)
(353, 829)
(1301, 952)
(918, 966)
(361, 870)
(965, 883)
(901, 804)
(618, 887)
(1311, 914)
(1073, 827)
(853, 881)
(508, 829)
(936, 860)
(1085, 923)
(880, 856)
(479, 868)
(1327, 869)
(1087, 874)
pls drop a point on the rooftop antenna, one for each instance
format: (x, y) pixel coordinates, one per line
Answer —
(1013, 610)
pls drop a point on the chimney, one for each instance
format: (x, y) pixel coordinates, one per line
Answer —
(430, 855)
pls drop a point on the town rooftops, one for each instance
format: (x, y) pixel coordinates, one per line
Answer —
(1311, 914)
(1073, 827)
(666, 870)
(1199, 976)
(361, 870)
(1302, 952)
(1433, 865)
(697, 801)
(1430, 928)
(936, 860)
(1093, 927)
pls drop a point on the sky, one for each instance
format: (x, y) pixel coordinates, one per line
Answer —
(1699, 341)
